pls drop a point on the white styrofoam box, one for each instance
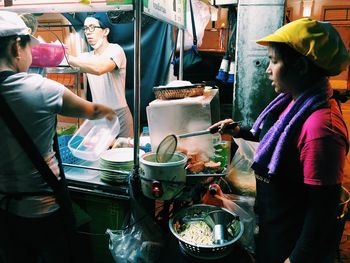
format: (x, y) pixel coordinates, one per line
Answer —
(180, 116)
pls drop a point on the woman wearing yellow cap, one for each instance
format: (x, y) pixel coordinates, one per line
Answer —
(303, 145)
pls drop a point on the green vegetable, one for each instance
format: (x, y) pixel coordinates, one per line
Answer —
(68, 131)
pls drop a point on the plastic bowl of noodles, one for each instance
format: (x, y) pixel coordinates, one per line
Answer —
(194, 228)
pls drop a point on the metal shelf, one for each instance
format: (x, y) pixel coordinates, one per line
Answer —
(63, 70)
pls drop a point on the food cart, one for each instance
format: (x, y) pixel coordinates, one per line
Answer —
(109, 204)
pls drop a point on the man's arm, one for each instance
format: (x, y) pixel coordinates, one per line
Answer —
(93, 65)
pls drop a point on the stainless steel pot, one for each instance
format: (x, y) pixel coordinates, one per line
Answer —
(162, 181)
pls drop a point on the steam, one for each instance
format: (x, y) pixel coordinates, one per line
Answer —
(203, 144)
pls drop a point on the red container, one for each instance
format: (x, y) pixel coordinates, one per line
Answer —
(47, 55)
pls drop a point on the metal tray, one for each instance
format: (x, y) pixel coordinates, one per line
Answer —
(198, 175)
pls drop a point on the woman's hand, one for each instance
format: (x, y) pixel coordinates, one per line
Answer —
(227, 126)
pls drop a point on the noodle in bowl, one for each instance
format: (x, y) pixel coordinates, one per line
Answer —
(201, 247)
(198, 233)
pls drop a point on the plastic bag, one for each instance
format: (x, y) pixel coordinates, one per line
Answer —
(240, 174)
(142, 240)
(244, 156)
(201, 17)
(130, 246)
(243, 206)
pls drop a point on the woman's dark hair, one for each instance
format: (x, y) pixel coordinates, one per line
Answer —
(6, 41)
(289, 56)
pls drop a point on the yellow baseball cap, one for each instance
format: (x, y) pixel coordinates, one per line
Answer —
(318, 41)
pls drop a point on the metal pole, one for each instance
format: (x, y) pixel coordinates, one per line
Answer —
(137, 84)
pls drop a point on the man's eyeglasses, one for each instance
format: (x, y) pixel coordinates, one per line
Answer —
(91, 28)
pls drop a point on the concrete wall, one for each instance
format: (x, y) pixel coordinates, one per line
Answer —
(253, 90)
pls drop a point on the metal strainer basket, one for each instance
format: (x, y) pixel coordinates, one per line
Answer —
(214, 251)
(166, 93)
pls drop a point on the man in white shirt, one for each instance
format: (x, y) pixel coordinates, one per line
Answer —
(105, 67)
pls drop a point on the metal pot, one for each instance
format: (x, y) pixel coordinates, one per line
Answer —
(162, 181)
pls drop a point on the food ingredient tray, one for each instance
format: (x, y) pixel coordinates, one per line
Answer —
(165, 92)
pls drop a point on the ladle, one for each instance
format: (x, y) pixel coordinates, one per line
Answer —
(167, 146)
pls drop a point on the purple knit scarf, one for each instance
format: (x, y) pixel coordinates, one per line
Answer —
(273, 146)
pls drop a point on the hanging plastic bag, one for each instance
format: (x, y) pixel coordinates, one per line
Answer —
(131, 245)
(241, 175)
(141, 240)
(191, 57)
(201, 17)
(243, 206)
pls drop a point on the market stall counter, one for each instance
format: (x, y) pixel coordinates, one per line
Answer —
(98, 206)
(90, 182)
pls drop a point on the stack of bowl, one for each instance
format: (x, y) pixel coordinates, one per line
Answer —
(116, 160)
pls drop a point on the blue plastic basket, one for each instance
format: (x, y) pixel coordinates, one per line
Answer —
(66, 154)
(63, 140)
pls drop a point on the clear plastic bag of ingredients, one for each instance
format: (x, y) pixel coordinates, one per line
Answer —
(240, 174)
(141, 240)
(131, 245)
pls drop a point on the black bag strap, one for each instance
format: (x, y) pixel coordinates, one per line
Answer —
(193, 32)
(24, 139)
(193, 25)
(57, 184)
(173, 54)
(193, 29)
